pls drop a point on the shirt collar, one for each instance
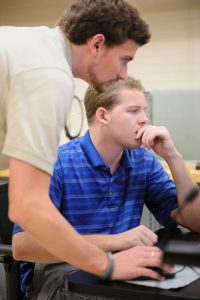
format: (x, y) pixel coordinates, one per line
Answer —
(90, 151)
(126, 160)
(94, 157)
(64, 42)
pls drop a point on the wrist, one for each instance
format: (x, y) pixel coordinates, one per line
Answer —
(108, 272)
(173, 157)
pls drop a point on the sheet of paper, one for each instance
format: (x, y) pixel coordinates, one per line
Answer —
(184, 276)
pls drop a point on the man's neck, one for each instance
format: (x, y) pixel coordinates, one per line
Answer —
(79, 65)
(110, 153)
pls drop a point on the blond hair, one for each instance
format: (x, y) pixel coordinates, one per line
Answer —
(108, 97)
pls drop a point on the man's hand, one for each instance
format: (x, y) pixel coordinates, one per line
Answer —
(134, 262)
(159, 139)
(138, 236)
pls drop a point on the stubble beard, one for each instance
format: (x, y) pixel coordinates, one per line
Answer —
(93, 79)
(99, 87)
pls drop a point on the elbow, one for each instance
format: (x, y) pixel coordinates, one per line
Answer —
(194, 227)
(17, 248)
(17, 255)
(17, 213)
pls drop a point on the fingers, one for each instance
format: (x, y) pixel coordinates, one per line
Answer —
(146, 236)
(150, 273)
(148, 135)
(168, 268)
(136, 261)
(152, 256)
(149, 238)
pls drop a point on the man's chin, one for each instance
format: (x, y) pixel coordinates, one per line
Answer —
(137, 144)
(100, 87)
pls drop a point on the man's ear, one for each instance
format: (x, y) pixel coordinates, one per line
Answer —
(102, 115)
(96, 42)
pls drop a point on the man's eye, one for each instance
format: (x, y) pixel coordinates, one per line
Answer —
(125, 60)
(133, 111)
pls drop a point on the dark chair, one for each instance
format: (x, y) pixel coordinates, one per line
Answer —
(11, 267)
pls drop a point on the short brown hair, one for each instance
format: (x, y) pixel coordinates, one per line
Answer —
(117, 20)
(109, 97)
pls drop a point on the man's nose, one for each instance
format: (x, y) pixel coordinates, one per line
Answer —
(144, 119)
(123, 73)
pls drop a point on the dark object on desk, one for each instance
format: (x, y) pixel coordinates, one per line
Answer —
(175, 233)
(160, 271)
(182, 252)
(171, 230)
(181, 248)
(163, 273)
(178, 250)
(11, 267)
(198, 165)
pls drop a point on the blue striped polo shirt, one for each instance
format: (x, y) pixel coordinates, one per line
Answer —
(95, 201)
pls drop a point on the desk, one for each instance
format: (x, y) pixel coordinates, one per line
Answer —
(191, 165)
(4, 174)
(85, 283)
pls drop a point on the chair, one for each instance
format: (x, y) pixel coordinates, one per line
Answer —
(11, 267)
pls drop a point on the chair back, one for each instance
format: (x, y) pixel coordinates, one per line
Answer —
(6, 225)
(11, 267)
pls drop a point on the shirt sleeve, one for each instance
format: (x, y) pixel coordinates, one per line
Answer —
(16, 229)
(161, 196)
(36, 114)
(56, 185)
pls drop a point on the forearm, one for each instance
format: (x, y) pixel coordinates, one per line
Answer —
(182, 178)
(140, 235)
(184, 184)
(54, 233)
(26, 248)
(31, 208)
(107, 242)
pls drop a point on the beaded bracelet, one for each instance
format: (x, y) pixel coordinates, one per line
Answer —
(108, 272)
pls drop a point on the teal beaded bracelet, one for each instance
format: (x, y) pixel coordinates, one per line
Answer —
(108, 272)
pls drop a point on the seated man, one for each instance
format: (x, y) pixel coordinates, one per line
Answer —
(100, 184)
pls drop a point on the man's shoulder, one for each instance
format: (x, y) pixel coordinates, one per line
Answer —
(71, 148)
(36, 48)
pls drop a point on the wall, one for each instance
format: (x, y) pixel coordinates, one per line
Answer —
(179, 111)
(171, 60)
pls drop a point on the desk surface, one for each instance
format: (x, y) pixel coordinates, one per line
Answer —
(191, 165)
(83, 282)
(4, 173)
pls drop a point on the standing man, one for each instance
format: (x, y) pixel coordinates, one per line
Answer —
(94, 41)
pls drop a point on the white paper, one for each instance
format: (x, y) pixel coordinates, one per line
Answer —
(184, 276)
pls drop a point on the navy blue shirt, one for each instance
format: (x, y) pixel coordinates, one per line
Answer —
(95, 201)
